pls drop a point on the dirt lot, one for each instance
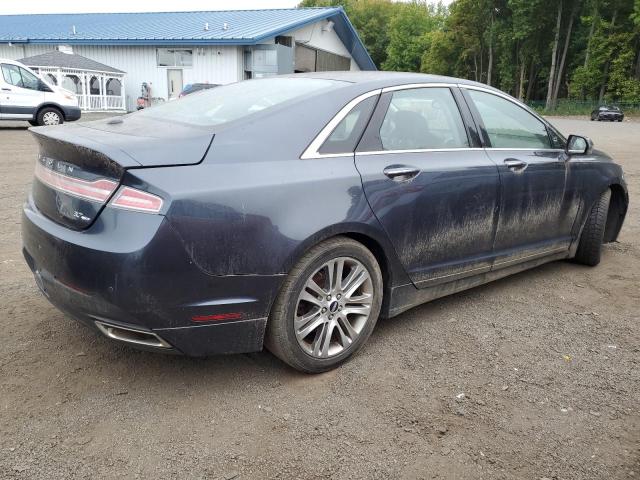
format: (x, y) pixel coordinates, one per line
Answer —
(534, 376)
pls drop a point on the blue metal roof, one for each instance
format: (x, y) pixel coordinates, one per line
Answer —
(225, 27)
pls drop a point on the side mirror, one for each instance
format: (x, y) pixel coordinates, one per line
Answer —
(577, 145)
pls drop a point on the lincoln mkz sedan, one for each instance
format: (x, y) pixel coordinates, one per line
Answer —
(293, 212)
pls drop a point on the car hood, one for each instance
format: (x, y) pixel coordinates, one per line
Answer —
(135, 141)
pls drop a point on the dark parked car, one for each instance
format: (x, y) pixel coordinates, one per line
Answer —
(196, 87)
(612, 114)
(295, 211)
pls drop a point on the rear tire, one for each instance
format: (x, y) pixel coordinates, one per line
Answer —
(33, 123)
(590, 246)
(337, 318)
(50, 116)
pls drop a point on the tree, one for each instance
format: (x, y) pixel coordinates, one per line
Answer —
(406, 31)
(533, 49)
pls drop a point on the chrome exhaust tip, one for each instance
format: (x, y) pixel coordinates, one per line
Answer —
(131, 335)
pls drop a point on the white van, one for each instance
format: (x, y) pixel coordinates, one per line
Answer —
(26, 96)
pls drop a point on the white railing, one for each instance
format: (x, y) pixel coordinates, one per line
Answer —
(100, 103)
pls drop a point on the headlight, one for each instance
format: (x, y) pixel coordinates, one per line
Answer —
(69, 96)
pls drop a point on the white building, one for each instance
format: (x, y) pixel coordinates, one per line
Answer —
(170, 50)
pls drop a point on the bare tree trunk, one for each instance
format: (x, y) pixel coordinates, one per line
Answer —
(521, 86)
(554, 55)
(490, 67)
(475, 65)
(556, 87)
(591, 30)
(605, 77)
(638, 65)
(533, 73)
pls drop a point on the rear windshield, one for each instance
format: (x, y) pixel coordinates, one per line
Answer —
(224, 104)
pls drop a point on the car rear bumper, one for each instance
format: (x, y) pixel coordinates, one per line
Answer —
(130, 272)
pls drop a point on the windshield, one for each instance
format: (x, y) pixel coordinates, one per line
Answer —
(224, 104)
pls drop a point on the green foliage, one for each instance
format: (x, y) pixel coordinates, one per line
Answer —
(508, 42)
(406, 30)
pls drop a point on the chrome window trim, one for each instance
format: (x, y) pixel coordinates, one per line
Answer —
(312, 150)
(411, 86)
(470, 149)
(421, 150)
(507, 149)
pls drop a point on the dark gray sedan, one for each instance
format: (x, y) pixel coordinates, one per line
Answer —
(295, 211)
(607, 113)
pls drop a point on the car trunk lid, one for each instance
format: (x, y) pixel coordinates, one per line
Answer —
(80, 167)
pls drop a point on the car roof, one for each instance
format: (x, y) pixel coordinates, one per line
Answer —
(377, 79)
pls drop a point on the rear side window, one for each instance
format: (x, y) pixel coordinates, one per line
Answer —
(423, 118)
(216, 106)
(346, 135)
(509, 125)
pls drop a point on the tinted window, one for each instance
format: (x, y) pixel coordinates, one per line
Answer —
(423, 118)
(224, 104)
(19, 77)
(345, 136)
(508, 125)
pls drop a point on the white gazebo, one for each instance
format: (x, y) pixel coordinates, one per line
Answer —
(99, 87)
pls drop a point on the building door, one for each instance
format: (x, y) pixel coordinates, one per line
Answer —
(174, 83)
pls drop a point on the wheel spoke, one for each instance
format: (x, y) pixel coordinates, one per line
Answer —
(308, 324)
(315, 288)
(355, 279)
(322, 341)
(364, 299)
(339, 269)
(331, 267)
(346, 331)
(361, 310)
(307, 297)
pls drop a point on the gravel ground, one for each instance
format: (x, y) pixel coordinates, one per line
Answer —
(534, 376)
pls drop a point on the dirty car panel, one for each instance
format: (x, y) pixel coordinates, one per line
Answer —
(178, 237)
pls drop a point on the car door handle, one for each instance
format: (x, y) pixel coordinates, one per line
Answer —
(6, 89)
(401, 173)
(515, 165)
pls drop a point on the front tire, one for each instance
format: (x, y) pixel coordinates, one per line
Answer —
(327, 307)
(590, 246)
(50, 116)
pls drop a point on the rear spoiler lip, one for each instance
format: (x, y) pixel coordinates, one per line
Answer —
(132, 151)
(73, 134)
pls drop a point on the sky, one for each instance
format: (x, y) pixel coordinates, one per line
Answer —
(8, 7)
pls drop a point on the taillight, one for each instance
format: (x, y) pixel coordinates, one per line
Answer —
(97, 190)
(132, 199)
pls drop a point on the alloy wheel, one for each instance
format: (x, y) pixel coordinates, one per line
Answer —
(333, 307)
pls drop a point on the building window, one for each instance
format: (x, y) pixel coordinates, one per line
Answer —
(168, 57)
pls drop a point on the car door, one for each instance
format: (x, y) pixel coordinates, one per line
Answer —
(432, 188)
(21, 94)
(539, 201)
